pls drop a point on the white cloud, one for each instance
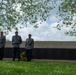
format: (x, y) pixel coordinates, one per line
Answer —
(44, 32)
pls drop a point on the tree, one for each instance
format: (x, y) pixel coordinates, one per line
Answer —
(13, 12)
(67, 12)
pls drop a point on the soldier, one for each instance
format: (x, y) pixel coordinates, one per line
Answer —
(29, 47)
(2, 45)
(16, 41)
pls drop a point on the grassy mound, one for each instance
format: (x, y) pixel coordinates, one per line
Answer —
(37, 68)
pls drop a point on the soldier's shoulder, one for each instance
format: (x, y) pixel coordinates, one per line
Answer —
(27, 38)
(19, 36)
(4, 36)
(13, 36)
(32, 38)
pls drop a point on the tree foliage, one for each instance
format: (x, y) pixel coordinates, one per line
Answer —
(67, 12)
(13, 12)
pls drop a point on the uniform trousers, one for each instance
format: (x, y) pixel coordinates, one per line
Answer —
(1, 53)
(16, 53)
(29, 54)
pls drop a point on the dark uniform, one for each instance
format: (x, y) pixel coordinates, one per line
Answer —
(16, 41)
(2, 45)
(29, 47)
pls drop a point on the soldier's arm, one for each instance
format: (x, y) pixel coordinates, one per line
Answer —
(33, 42)
(20, 40)
(12, 40)
(4, 40)
(26, 43)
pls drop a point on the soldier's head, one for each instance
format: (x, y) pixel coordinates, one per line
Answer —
(29, 35)
(1, 33)
(16, 33)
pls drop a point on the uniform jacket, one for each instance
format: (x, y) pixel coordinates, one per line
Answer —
(29, 43)
(2, 41)
(16, 40)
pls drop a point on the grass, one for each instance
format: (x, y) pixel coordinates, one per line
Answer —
(37, 68)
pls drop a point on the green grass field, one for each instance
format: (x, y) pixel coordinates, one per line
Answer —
(37, 68)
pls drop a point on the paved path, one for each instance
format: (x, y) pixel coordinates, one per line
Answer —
(53, 60)
(45, 60)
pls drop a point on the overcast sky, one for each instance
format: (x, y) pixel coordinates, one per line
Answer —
(45, 31)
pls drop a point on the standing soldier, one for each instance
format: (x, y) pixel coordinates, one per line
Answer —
(16, 41)
(2, 45)
(29, 47)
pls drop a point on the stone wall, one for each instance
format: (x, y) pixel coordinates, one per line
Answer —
(49, 44)
(47, 50)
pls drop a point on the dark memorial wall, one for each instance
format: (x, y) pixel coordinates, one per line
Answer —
(46, 53)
